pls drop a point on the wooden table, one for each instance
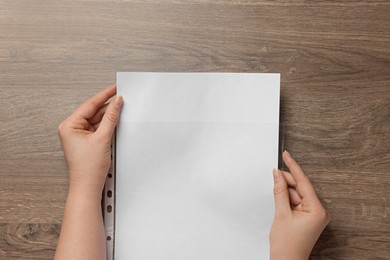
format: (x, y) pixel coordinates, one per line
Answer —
(334, 58)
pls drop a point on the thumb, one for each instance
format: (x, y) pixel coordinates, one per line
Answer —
(282, 201)
(111, 117)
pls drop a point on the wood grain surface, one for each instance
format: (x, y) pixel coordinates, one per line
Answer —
(334, 58)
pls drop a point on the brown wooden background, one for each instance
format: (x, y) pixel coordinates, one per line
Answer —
(334, 58)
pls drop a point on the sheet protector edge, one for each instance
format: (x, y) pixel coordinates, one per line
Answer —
(109, 205)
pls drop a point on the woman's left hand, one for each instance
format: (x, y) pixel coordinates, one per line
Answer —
(86, 137)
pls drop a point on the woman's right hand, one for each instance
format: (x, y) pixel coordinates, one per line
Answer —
(299, 218)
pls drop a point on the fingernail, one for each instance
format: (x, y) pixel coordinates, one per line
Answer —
(287, 154)
(276, 174)
(118, 101)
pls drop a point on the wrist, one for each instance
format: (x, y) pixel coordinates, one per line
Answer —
(287, 257)
(90, 188)
(287, 253)
(85, 193)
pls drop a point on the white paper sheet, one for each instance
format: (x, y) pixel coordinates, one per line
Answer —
(194, 160)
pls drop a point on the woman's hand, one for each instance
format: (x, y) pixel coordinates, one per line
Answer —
(86, 137)
(299, 215)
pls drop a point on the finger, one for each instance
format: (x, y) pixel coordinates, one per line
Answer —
(298, 207)
(303, 185)
(88, 109)
(290, 179)
(281, 195)
(110, 118)
(96, 126)
(99, 115)
(295, 199)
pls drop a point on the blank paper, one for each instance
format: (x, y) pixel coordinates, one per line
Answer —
(194, 160)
